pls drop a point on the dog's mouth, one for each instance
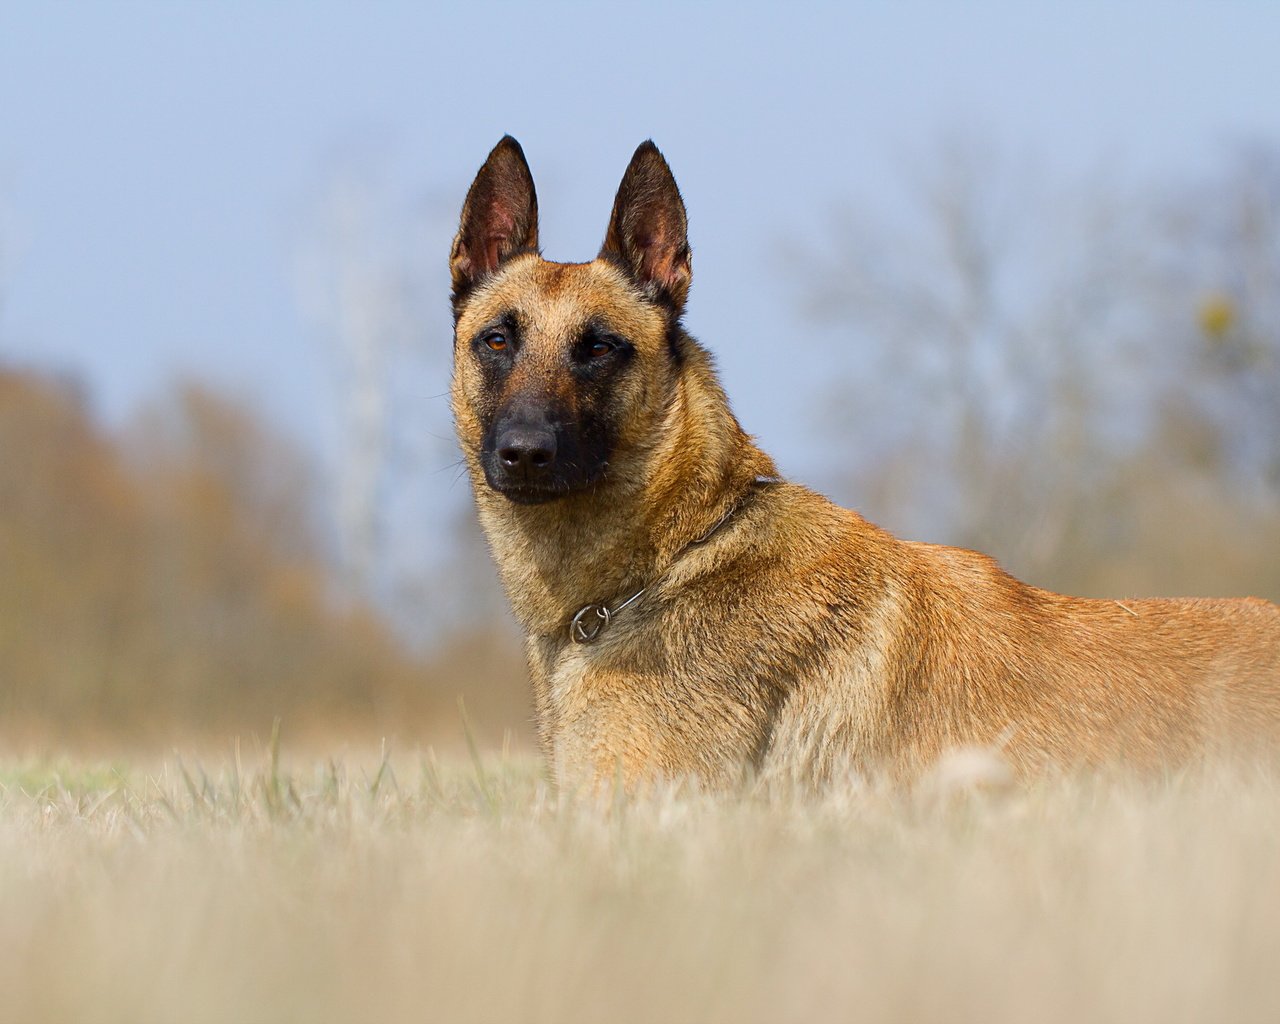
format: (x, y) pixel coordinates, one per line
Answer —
(530, 494)
(541, 491)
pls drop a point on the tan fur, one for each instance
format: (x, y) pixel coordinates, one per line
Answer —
(801, 641)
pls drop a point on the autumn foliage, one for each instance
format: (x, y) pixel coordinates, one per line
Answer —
(174, 576)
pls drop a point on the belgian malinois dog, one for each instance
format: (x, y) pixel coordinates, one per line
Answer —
(689, 614)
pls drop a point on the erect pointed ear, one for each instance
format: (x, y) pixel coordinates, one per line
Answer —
(499, 218)
(649, 229)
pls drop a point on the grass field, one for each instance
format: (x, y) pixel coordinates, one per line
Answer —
(255, 888)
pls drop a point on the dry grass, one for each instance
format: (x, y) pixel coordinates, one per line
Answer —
(407, 892)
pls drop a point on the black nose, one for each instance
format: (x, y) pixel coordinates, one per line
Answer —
(527, 451)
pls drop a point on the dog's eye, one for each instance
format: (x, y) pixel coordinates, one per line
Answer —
(599, 347)
(496, 341)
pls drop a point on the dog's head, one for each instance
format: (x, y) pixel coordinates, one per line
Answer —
(561, 369)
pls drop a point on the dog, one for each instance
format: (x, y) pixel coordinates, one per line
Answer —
(689, 614)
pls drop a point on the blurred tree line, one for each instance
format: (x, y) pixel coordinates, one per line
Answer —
(1082, 381)
(176, 576)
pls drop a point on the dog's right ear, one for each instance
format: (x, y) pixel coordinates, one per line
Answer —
(499, 218)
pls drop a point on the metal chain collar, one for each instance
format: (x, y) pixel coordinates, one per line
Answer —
(592, 619)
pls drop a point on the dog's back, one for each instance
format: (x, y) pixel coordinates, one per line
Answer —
(955, 652)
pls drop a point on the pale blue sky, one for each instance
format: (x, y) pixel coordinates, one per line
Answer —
(159, 162)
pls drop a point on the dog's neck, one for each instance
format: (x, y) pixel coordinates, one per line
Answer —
(602, 544)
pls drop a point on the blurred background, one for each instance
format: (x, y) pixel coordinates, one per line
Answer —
(999, 275)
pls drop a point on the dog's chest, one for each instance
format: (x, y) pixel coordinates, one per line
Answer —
(588, 732)
(610, 713)
(567, 682)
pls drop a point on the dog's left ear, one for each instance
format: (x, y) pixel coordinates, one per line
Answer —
(499, 218)
(649, 228)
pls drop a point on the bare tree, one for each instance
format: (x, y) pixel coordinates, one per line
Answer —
(1219, 296)
(1084, 381)
(374, 285)
(357, 290)
(994, 330)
